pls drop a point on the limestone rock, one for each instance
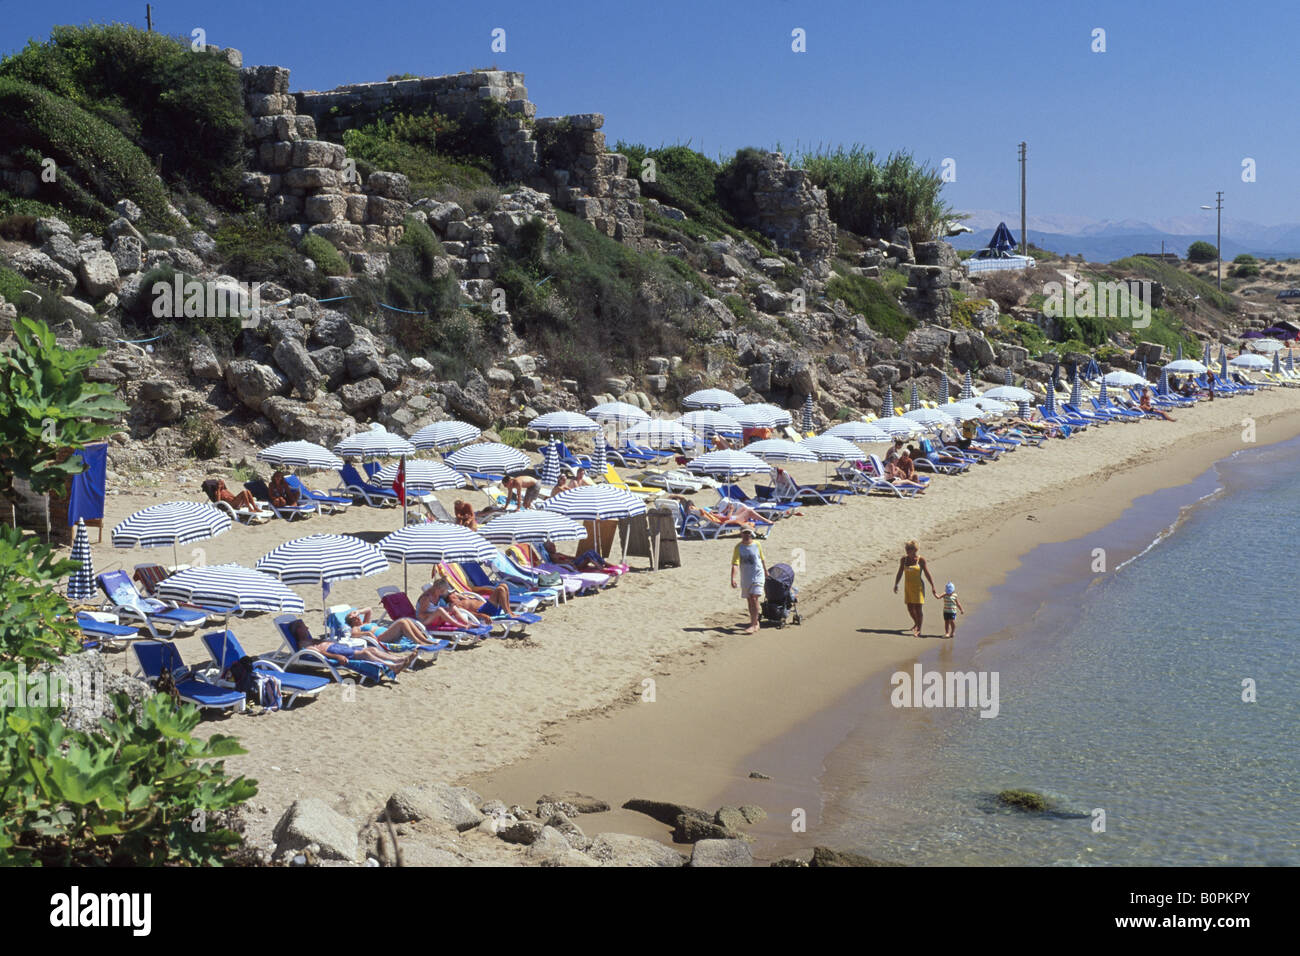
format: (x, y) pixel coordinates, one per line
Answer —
(721, 853)
(824, 856)
(311, 821)
(99, 275)
(204, 363)
(437, 802)
(620, 849)
(292, 358)
(128, 210)
(37, 266)
(666, 812)
(333, 328)
(252, 382)
(359, 396)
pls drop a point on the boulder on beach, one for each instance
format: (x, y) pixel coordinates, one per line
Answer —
(666, 812)
(825, 856)
(620, 849)
(438, 802)
(692, 829)
(582, 802)
(721, 853)
(313, 822)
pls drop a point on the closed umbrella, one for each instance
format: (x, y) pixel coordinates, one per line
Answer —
(1277, 363)
(172, 522)
(779, 449)
(1163, 387)
(710, 398)
(230, 586)
(1290, 361)
(550, 466)
(1102, 397)
(533, 526)
(1008, 379)
(448, 434)
(943, 389)
(81, 583)
(887, 407)
(563, 423)
(807, 414)
(1049, 406)
(489, 458)
(1022, 409)
(598, 455)
(967, 387)
(1076, 390)
(300, 454)
(916, 395)
(1180, 351)
(422, 476)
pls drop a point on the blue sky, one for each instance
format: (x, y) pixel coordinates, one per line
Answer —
(1148, 130)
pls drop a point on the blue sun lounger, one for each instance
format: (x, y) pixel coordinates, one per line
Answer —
(354, 483)
(224, 649)
(157, 657)
(104, 631)
(290, 655)
(326, 503)
(126, 600)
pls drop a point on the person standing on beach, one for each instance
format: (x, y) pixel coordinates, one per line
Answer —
(950, 608)
(913, 566)
(748, 558)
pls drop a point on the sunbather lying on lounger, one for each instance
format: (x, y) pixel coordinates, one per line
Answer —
(895, 477)
(403, 628)
(498, 594)
(587, 561)
(346, 652)
(216, 490)
(758, 525)
(442, 606)
(1147, 407)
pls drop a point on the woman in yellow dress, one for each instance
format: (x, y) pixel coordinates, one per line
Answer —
(911, 568)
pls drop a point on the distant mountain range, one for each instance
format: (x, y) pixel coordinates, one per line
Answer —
(1107, 240)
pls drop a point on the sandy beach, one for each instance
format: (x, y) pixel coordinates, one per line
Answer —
(565, 709)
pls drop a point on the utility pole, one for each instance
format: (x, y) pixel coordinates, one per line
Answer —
(1024, 239)
(148, 16)
(1218, 237)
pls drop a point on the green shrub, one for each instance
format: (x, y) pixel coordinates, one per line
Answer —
(12, 285)
(422, 148)
(205, 443)
(1202, 251)
(1246, 270)
(871, 198)
(34, 621)
(186, 108)
(738, 306)
(96, 165)
(322, 252)
(874, 302)
(514, 437)
(420, 239)
(259, 251)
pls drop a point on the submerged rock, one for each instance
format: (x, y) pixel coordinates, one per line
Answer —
(1024, 800)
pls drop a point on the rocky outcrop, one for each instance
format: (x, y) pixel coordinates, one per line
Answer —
(792, 212)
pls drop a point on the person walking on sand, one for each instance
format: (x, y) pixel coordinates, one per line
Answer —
(914, 567)
(748, 558)
(950, 608)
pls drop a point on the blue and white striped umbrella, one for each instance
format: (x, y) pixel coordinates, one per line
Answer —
(300, 454)
(533, 526)
(1049, 406)
(1076, 390)
(760, 415)
(898, 427)
(1008, 379)
(1163, 387)
(230, 586)
(711, 398)
(1277, 363)
(489, 458)
(1010, 393)
(433, 541)
(710, 422)
(81, 583)
(446, 434)
(1102, 397)
(563, 423)
(830, 448)
(422, 476)
(172, 522)
(808, 414)
(857, 432)
(595, 503)
(1022, 409)
(1206, 358)
(779, 449)
(967, 387)
(1223, 364)
(598, 455)
(1180, 351)
(620, 414)
(550, 465)
(658, 433)
(728, 463)
(1290, 361)
(916, 397)
(930, 418)
(887, 403)
(944, 396)
(321, 558)
(376, 443)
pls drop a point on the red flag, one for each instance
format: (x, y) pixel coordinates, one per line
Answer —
(399, 483)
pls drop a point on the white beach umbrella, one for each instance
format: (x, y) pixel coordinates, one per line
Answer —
(172, 522)
(1186, 366)
(1010, 393)
(930, 417)
(779, 449)
(709, 421)
(728, 463)
(898, 427)
(658, 433)
(990, 406)
(961, 411)
(710, 398)
(621, 414)
(859, 432)
(376, 443)
(431, 542)
(230, 586)
(1251, 362)
(595, 503)
(830, 448)
(533, 526)
(489, 458)
(563, 423)
(1122, 379)
(445, 435)
(760, 415)
(422, 476)
(300, 454)
(322, 559)
(1266, 345)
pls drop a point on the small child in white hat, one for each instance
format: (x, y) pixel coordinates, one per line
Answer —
(950, 608)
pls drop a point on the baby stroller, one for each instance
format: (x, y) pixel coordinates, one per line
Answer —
(780, 595)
